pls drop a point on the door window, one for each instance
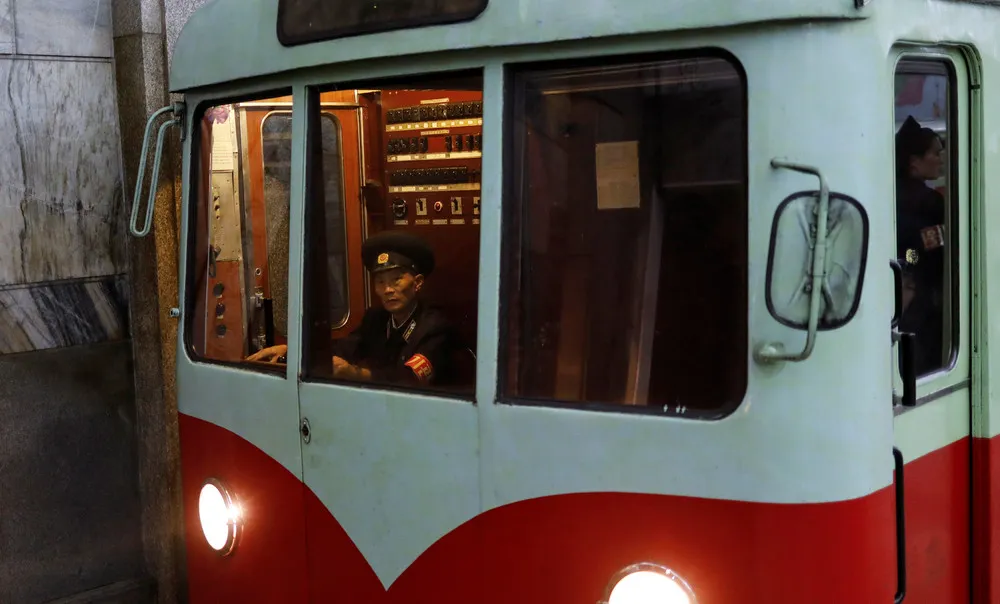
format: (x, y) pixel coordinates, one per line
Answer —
(926, 201)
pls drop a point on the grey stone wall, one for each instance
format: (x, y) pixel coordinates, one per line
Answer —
(69, 510)
(89, 481)
(62, 216)
(71, 515)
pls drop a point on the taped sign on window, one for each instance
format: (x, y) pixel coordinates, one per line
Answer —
(617, 175)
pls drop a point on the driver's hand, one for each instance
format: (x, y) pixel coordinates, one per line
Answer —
(342, 368)
(271, 354)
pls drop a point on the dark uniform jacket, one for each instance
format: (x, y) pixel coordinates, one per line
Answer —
(418, 352)
(921, 241)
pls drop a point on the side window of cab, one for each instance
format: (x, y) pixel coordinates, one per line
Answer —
(237, 290)
(925, 210)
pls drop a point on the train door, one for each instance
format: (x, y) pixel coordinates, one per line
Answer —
(379, 448)
(932, 421)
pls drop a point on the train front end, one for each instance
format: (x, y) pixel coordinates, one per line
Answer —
(667, 288)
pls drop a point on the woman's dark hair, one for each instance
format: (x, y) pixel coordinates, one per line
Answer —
(912, 140)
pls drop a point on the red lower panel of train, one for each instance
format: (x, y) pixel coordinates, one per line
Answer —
(565, 548)
(986, 510)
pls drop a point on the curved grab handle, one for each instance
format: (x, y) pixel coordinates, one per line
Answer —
(174, 121)
(772, 352)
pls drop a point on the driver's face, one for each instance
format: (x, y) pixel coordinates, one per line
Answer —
(397, 288)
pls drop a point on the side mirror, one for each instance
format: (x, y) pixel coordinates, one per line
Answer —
(815, 265)
(790, 261)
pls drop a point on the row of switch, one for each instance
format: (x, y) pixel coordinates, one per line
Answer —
(469, 142)
(430, 176)
(423, 113)
(400, 208)
(407, 145)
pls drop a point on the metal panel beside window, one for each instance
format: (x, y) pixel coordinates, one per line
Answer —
(303, 21)
(626, 249)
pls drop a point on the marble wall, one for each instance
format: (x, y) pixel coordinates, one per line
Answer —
(61, 208)
(6, 27)
(63, 215)
(70, 512)
(66, 28)
(69, 313)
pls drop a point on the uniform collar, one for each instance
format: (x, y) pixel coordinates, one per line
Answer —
(392, 320)
(410, 323)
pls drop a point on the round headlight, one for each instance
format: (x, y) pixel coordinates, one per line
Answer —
(649, 584)
(220, 515)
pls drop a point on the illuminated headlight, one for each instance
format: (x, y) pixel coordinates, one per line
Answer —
(648, 584)
(220, 515)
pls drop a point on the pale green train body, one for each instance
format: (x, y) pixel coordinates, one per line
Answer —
(756, 480)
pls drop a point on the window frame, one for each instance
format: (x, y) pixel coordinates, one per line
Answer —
(191, 200)
(313, 91)
(921, 58)
(512, 232)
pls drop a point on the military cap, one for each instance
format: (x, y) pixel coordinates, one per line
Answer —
(397, 249)
(908, 137)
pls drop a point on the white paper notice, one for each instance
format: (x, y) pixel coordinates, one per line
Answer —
(617, 175)
(223, 147)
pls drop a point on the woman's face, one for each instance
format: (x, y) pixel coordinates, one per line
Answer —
(930, 165)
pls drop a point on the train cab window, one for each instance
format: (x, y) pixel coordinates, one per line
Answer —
(410, 159)
(238, 265)
(925, 208)
(625, 281)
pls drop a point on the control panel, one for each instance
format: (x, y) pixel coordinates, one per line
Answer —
(432, 150)
(433, 157)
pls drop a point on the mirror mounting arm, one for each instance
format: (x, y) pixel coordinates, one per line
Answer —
(773, 352)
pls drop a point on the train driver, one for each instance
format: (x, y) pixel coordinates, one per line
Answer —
(404, 341)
